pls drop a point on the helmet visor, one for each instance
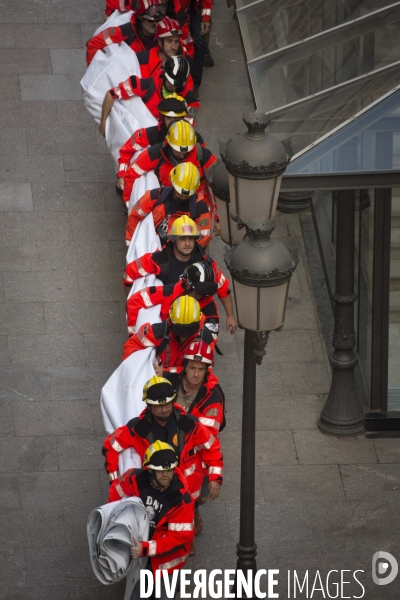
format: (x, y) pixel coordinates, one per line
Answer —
(206, 288)
(185, 330)
(156, 12)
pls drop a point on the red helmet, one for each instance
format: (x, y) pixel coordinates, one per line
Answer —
(201, 352)
(152, 10)
(167, 27)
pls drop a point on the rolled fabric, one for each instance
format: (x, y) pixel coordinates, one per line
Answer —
(110, 529)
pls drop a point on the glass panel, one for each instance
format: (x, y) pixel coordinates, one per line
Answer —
(228, 225)
(394, 307)
(271, 304)
(364, 249)
(369, 141)
(254, 198)
(267, 25)
(328, 59)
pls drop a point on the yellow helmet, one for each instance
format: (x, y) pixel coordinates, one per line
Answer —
(158, 390)
(160, 456)
(181, 136)
(185, 178)
(184, 311)
(183, 226)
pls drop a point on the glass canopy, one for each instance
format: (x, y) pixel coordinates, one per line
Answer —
(369, 141)
(314, 64)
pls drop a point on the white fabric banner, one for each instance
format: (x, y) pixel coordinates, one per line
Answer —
(116, 19)
(110, 529)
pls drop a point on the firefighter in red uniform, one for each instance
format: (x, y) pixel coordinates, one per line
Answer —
(174, 10)
(166, 421)
(198, 280)
(171, 202)
(168, 36)
(199, 12)
(180, 251)
(172, 108)
(180, 146)
(138, 33)
(173, 76)
(163, 490)
(199, 393)
(171, 337)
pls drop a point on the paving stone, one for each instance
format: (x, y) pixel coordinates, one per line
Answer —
(41, 286)
(47, 36)
(68, 196)
(70, 111)
(68, 61)
(79, 317)
(300, 314)
(313, 447)
(83, 383)
(10, 88)
(305, 378)
(15, 197)
(9, 491)
(274, 520)
(12, 567)
(32, 168)
(26, 11)
(27, 114)
(108, 285)
(366, 549)
(64, 488)
(6, 419)
(13, 141)
(6, 36)
(21, 318)
(94, 168)
(58, 11)
(87, 30)
(273, 447)
(118, 252)
(113, 200)
(70, 255)
(97, 419)
(99, 226)
(50, 87)
(290, 345)
(35, 226)
(61, 140)
(21, 61)
(72, 417)
(24, 385)
(230, 492)
(1, 289)
(28, 454)
(80, 453)
(76, 589)
(371, 482)
(75, 520)
(32, 527)
(350, 519)
(44, 566)
(388, 450)
(46, 350)
(301, 483)
(103, 350)
(4, 360)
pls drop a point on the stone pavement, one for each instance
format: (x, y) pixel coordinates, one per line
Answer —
(322, 503)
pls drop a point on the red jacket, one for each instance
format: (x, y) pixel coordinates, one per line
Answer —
(165, 210)
(170, 544)
(170, 349)
(209, 405)
(191, 438)
(142, 138)
(174, 10)
(204, 6)
(151, 91)
(160, 159)
(128, 33)
(165, 295)
(157, 263)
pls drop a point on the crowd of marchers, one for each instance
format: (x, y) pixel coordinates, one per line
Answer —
(177, 434)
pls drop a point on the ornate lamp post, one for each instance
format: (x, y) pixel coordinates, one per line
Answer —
(230, 234)
(261, 269)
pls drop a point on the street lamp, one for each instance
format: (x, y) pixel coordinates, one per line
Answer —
(230, 234)
(261, 268)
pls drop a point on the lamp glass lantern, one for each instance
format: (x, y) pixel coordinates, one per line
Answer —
(230, 234)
